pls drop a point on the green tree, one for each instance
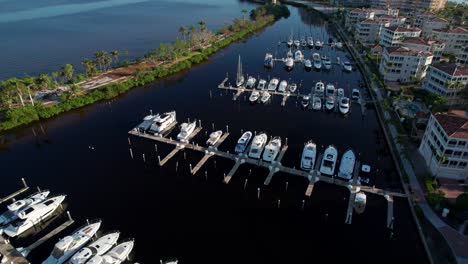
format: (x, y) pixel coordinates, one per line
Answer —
(244, 12)
(202, 25)
(183, 31)
(90, 67)
(115, 55)
(67, 71)
(43, 82)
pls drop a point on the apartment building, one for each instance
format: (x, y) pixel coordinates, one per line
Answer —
(433, 23)
(368, 30)
(455, 39)
(447, 80)
(392, 36)
(356, 15)
(403, 64)
(434, 46)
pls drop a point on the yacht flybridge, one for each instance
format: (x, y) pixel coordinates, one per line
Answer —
(162, 122)
(214, 137)
(319, 88)
(258, 143)
(240, 77)
(32, 215)
(273, 84)
(186, 129)
(328, 164)
(117, 255)
(69, 245)
(347, 165)
(309, 154)
(243, 142)
(317, 61)
(344, 105)
(97, 248)
(254, 96)
(272, 149)
(282, 86)
(15, 208)
(250, 82)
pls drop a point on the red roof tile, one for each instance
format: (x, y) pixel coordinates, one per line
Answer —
(403, 29)
(452, 69)
(438, 19)
(406, 51)
(454, 123)
(457, 30)
(416, 40)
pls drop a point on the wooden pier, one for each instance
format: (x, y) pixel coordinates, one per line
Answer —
(209, 154)
(239, 161)
(353, 189)
(178, 148)
(13, 195)
(389, 211)
(313, 178)
(10, 254)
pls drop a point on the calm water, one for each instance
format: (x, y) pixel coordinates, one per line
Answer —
(174, 214)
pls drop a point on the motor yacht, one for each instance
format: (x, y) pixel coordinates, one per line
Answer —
(273, 84)
(268, 62)
(214, 137)
(309, 154)
(340, 92)
(96, 248)
(307, 64)
(330, 103)
(347, 66)
(15, 208)
(344, 105)
(355, 94)
(258, 143)
(298, 56)
(265, 96)
(327, 63)
(282, 86)
(251, 82)
(305, 101)
(272, 149)
(162, 122)
(289, 63)
(292, 87)
(116, 255)
(261, 84)
(346, 168)
(360, 202)
(319, 88)
(243, 142)
(310, 42)
(254, 96)
(316, 103)
(317, 61)
(328, 164)
(186, 129)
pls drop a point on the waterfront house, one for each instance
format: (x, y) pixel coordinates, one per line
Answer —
(447, 80)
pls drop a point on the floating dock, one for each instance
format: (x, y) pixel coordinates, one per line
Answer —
(13, 195)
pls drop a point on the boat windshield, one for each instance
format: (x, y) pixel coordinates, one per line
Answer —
(254, 150)
(18, 223)
(327, 163)
(9, 214)
(57, 253)
(307, 158)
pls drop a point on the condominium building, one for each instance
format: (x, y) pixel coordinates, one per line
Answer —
(368, 30)
(444, 145)
(455, 39)
(433, 23)
(434, 46)
(352, 3)
(410, 5)
(447, 80)
(403, 64)
(379, 11)
(392, 20)
(392, 36)
(357, 15)
(421, 17)
(462, 57)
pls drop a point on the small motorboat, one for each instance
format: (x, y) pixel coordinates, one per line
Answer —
(97, 248)
(309, 154)
(347, 66)
(15, 208)
(355, 94)
(330, 103)
(289, 54)
(289, 63)
(186, 129)
(254, 96)
(346, 168)
(310, 42)
(162, 122)
(297, 43)
(317, 61)
(316, 103)
(304, 42)
(243, 142)
(340, 92)
(298, 56)
(307, 64)
(272, 149)
(319, 88)
(214, 137)
(292, 87)
(261, 84)
(326, 63)
(290, 42)
(305, 101)
(258, 143)
(251, 82)
(69, 245)
(117, 255)
(318, 44)
(268, 62)
(265, 96)
(360, 202)
(282, 86)
(328, 164)
(273, 84)
(330, 90)
(344, 105)
(339, 45)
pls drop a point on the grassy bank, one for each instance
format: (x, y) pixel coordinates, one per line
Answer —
(259, 18)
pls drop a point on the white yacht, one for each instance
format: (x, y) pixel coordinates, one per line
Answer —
(310, 42)
(328, 164)
(297, 43)
(304, 42)
(307, 64)
(317, 61)
(330, 103)
(327, 63)
(289, 63)
(272, 149)
(316, 103)
(33, 215)
(214, 137)
(292, 87)
(243, 142)
(268, 62)
(346, 168)
(330, 90)
(254, 96)
(319, 88)
(355, 94)
(186, 129)
(360, 202)
(282, 86)
(258, 143)
(261, 84)
(339, 45)
(340, 92)
(347, 66)
(273, 84)
(298, 55)
(117, 255)
(290, 42)
(251, 82)
(289, 54)
(305, 101)
(265, 96)
(146, 124)
(240, 77)
(69, 245)
(344, 105)
(308, 156)
(163, 122)
(15, 208)
(318, 44)
(97, 248)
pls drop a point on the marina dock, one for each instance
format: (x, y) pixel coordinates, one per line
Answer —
(389, 211)
(274, 167)
(178, 148)
(11, 254)
(13, 195)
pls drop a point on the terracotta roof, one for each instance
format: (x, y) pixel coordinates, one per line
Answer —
(452, 69)
(455, 123)
(406, 51)
(438, 19)
(416, 40)
(403, 29)
(371, 21)
(427, 13)
(358, 10)
(457, 30)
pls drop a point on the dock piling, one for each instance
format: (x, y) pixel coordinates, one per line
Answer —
(69, 216)
(258, 193)
(176, 165)
(303, 204)
(144, 158)
(24, 183)
(279, 203)
(129, 142)
(156, 147)
(199, 122)
(286, 187)
(159, 160)
(245, 184)
(190, 167)
(227, 128)
(206, 175)
(131, 153)
(38, 189)
(212, 126)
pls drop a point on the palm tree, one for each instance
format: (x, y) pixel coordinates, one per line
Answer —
(43, 81)
(182, 31)
(99, 57)
(244, 11)
(90, 67)
(107, 60)
(67, 71)
(202, 25)
(115, 55)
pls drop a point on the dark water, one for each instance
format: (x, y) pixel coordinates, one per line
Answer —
(174, 214)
